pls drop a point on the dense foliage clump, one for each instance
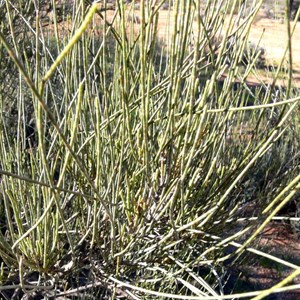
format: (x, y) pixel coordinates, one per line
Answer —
(129, 161)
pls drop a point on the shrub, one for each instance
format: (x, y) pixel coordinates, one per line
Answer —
(141, 161)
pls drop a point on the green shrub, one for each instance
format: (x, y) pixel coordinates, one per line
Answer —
(133, 179)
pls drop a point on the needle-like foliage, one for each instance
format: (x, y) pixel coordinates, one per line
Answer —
(129, 153)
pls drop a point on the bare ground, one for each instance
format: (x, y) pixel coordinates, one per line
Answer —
(259, 273)
(271, 33)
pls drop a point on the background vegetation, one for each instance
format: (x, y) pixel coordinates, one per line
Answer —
(127, 165)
